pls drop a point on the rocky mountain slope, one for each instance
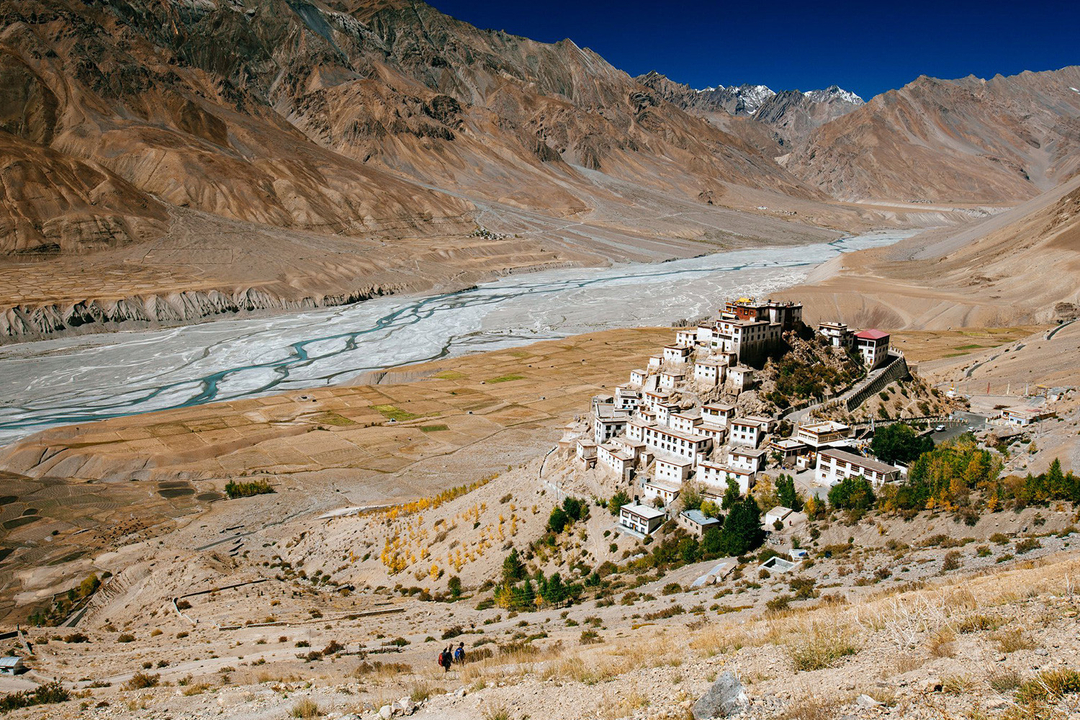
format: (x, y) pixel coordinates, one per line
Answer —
(1021, 266)
(788, 116)
(338, 117)
(966, 140)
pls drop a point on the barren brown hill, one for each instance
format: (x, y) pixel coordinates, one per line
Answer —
(967, 140)
(1022, 266)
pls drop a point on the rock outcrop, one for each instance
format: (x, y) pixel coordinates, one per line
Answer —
(967, 140)
(35, 322)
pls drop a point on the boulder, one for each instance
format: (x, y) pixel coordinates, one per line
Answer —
(865, 701)
(725, 698)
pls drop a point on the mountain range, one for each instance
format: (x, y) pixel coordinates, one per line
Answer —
(158, 135)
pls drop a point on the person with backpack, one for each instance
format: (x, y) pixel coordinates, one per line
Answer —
(446, 658)
(459, 654)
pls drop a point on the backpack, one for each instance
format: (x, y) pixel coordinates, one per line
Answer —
(442, 658)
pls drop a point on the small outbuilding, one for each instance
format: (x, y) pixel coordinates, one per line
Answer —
(12, 665)
(696, 522)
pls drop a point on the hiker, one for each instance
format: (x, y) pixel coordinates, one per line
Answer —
(442, 659)
(447, 657)
(459, 654)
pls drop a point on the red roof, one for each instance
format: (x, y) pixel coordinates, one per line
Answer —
(871, 335)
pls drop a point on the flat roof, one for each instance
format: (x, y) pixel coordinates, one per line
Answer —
(682, 348)
(824, 426)
(725, 468)
(662, 457)
(617, 451)
(644, 511)
(746, 452)
(719, 406)
(787, 444)
(689, 413)
(748, 422)
(691, 437)
(698, 517)
(780, 510)
(859, 460)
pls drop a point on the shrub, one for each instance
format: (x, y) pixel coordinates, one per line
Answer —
(46, 694)
(821, 650)
(1027, 545)
(306, 708)
(247, 489)
(671, 589)
(589, 637)
(141, 680)
(951, 561)
(452, 632)
(76, 638)
(1049, 684)
(126, 638)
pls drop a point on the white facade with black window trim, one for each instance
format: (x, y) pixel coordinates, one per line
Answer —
(641, 519)
(714, 476)
(834, 466)
(676, 353)
(747, 432)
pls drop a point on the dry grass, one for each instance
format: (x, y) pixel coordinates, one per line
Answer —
(821, 648)
(942, 644)
(306, 709)
(1012, 640)
(813, 708)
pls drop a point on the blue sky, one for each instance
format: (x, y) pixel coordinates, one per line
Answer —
(865, 47)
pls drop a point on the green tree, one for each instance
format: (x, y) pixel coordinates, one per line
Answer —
(712, 542)
(742, 529)
(616, 502)
(785, 490)
(731, 495)
(513, 568)
(853, 493)
(558, 520)
(899, 443)
(691, 496)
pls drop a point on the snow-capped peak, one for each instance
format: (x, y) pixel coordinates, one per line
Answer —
(834, 93)
(752, 96)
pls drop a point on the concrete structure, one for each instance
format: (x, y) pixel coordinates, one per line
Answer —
(669, 379)
(714, 476)
(627, 399)
(586, 453)
(777, 513)
(667, 492)
(662, 439)
(750, 329)
(834, 466)
(655, 361)
(873, 346)
(744, 431)
(749, 459)
(718, 413)
(696, 522)
(686, 337)
(837, 333)
(672, 469)
(676, 353)
(788, 450)
(12, 665)
(637, 377)
(608, 421)
(740, 378)
(710, 372)
(616, 458)
(823, 434)
(641, 519)
(685, 420)
(714, 432)
(1022, 417)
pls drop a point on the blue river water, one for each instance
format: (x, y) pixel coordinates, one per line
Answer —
(79, 379)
